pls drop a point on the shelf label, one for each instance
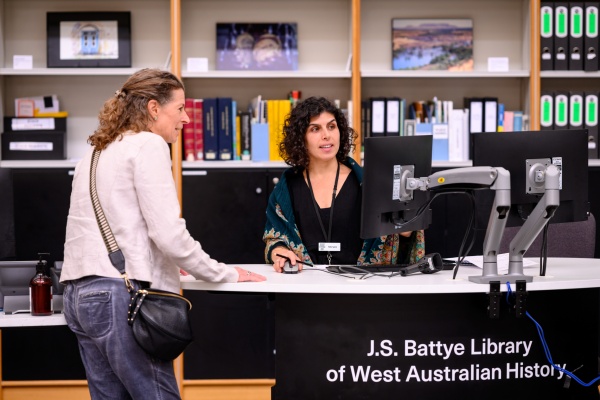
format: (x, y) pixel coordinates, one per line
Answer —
(30, 146)
(32, 124)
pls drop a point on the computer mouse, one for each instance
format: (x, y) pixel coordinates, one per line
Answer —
(288, 268)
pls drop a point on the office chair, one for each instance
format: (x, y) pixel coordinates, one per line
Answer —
(569, 239)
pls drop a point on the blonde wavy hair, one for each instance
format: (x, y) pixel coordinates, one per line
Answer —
(127, 110)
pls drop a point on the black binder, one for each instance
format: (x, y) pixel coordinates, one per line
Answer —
(378, 116)
(591, 122)
(576, 18)
(547, 36)
(561, 109)
(547, 110)
(590, 38)
(394, 118)
(576, 105)
(561, 35)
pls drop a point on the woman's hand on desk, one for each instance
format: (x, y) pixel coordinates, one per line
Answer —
(280, 255)
(247, 276)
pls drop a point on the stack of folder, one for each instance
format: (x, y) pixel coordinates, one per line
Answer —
(569, 35)
(562, 109)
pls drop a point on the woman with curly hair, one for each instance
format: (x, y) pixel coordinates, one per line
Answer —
(137, 193)
(314, 212)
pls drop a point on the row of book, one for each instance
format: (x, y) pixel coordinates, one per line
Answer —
(451, 127)
(217, 131)
(569, 35)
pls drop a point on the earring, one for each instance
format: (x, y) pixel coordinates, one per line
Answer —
(156, 118)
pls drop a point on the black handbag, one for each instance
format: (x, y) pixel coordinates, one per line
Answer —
(160, 320)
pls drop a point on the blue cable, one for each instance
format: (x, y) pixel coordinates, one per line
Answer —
(547, 349)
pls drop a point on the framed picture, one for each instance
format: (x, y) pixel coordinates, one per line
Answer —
(257, 46)
(432, 44)
(89, 39)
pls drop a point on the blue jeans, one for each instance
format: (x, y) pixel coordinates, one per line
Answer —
(115, 365)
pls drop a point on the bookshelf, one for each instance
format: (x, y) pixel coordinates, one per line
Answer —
(329, 31)
(81, 91)
(500, 29)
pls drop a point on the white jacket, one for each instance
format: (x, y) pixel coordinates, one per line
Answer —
(137, 193)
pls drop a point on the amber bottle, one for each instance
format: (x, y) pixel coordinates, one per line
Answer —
(40, 289)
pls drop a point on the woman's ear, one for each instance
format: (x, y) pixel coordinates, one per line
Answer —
(153, 107)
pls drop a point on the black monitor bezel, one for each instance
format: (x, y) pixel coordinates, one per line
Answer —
(380, 156)
(510, 150)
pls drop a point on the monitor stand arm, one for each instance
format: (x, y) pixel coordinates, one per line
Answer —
(494, 178)
(539, 217)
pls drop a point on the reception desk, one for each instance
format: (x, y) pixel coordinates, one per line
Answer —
(425, 336)
(421, 336)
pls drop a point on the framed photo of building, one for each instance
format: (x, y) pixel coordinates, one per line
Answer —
(257, 46)
(88, 39)
(432, 44)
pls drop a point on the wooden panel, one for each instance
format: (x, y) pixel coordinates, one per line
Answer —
(242, 389)
(46, 390)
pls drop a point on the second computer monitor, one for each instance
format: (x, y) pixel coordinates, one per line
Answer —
(383, 213)
(518, 151)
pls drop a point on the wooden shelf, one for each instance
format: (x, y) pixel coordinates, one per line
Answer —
(443, 74)
(68, 71)
(267, 74)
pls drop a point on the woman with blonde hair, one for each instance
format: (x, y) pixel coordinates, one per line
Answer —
(137, 193)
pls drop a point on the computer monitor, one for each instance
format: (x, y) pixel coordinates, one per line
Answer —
(15, 277)
(387, 160)
(517, 152)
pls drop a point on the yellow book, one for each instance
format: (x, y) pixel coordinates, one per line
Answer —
(285, 106)
(57, 114)
(238, 138)
(273, 143)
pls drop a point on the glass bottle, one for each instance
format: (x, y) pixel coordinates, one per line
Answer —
(40, 290)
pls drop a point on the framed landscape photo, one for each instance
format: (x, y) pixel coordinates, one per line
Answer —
(432, 44)
(88, 39)
(257, 46)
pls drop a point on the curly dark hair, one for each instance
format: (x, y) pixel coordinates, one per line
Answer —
(128, 108)
(293, 148)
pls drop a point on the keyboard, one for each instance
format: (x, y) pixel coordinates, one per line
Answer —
(362, 269)
(380, 268)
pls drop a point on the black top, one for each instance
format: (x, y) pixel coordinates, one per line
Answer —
(346, 220)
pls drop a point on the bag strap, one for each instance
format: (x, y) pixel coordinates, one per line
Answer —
(114, 252)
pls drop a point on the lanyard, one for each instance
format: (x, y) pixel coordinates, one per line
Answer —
(312, 195)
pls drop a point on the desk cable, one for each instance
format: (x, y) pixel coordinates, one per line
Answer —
(547, 349)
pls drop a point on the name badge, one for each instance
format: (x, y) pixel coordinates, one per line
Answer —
(324, 246)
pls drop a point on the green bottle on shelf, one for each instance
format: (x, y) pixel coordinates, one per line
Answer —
(40, 289)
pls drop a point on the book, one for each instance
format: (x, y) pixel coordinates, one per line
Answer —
(509, 117)
(518, 121)
(260, 142)
(211, 134)
(198, 126)
(234, 131)
(224, 128)
(245, 136)
(189, 152)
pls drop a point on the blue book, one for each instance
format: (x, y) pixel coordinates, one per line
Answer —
(211, 133)
(518, 121)
(260, 142)
(439, 151)
(500, 117)
(234, 132)
(225, 128)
